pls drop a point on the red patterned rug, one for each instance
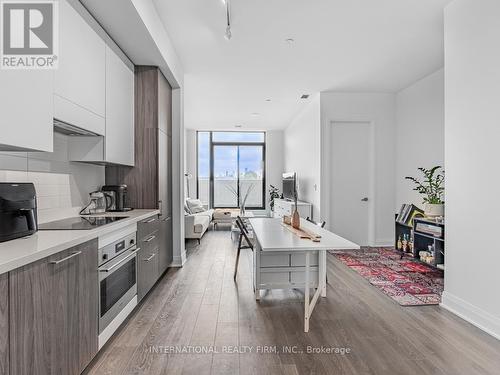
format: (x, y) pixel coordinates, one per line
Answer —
(406, 281)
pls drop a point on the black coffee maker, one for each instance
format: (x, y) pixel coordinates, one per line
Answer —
(116, 196)
(18, 217)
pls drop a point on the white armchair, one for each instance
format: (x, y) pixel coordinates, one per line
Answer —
(196, 219)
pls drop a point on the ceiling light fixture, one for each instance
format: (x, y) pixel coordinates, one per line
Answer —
(304, 96)
(228, 34)
(238, 126)
(255, 114)
(290, 40)
(268, 100)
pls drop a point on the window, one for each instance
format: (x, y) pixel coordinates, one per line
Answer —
(231, 168)
(204, 167)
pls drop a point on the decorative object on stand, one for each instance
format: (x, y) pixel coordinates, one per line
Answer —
(432, 190)
(245, 196)
(300, 232)
(274, 193)
(188, 176)
(295, 215)
(408, 282)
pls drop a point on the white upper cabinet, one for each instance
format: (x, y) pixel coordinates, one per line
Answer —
(26, 110)
(119, 141)
(79, 83)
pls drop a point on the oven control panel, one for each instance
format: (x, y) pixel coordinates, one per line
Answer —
(115, 248)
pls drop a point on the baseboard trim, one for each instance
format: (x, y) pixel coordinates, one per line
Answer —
(472, 314)
(384, 243)
(178, 261)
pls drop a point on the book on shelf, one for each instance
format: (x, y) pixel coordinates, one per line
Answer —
(433, 230)
(400, 214)
(407, 213)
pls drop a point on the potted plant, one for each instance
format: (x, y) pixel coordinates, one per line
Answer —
(432, 190)
(274, 193)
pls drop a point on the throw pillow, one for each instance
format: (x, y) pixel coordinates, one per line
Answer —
(195, 205)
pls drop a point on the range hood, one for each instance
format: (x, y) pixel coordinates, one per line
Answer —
(72, 130)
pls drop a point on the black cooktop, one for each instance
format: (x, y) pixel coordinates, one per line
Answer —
(80, 223)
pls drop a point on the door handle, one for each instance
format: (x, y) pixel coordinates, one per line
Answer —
(151, 257)
(150, 239)
(364, 200)
(120, 262)
(65, 259)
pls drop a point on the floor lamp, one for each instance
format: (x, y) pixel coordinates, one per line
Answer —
(188, 176)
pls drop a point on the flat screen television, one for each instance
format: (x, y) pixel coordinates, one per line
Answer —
(289, 185)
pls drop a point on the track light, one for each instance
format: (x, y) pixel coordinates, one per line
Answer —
(228, 33)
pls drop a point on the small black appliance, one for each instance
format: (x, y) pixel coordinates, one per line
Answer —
(18, 216)
(117, 197)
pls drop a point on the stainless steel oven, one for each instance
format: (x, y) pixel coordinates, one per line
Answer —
(117, 278)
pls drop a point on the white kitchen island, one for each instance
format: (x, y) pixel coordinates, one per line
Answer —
(282, 260)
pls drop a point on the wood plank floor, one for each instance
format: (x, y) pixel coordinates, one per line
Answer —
(200, 306)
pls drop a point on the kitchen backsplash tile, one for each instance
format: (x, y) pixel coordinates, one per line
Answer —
(61, 185)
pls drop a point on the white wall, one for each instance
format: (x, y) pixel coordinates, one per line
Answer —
(420, 133)
(274, 161)
(378, 109)
(303, 153)
(472, 133)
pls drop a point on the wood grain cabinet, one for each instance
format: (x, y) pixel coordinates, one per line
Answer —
(4, 323)
(165, 253)
(148, 255)
(54, 313)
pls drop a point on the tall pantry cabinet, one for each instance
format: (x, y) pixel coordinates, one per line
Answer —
(150, 181)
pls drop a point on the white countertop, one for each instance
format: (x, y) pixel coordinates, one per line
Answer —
(19, 252)
(273, 236)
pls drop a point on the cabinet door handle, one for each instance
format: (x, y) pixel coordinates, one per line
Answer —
(150, 220)
(67, 258)
(150, 239)
(151, 257)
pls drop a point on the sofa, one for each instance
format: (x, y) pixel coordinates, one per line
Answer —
(196, 219)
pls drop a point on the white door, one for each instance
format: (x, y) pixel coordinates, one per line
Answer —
(351, 180)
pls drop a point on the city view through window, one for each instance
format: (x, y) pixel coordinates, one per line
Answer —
(236, 171)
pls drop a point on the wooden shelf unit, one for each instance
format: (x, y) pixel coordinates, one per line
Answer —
(421, 241)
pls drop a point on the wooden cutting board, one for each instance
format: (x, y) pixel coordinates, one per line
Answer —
(303, 233)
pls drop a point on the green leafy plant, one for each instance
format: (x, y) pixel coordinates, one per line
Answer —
(432, 186)
(274, 193)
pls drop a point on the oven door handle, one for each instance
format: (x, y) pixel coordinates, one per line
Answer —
(109, 269)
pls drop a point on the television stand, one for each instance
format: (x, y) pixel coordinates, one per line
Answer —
(284, 207)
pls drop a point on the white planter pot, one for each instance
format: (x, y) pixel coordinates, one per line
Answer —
(433, 210)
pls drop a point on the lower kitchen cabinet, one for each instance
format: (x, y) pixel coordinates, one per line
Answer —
(4, 323)
(165, 254)
(54, 328)
(147, 268)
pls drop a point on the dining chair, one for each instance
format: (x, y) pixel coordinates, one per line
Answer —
(243, 236)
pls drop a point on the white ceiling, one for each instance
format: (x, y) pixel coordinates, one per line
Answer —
(340, 45)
